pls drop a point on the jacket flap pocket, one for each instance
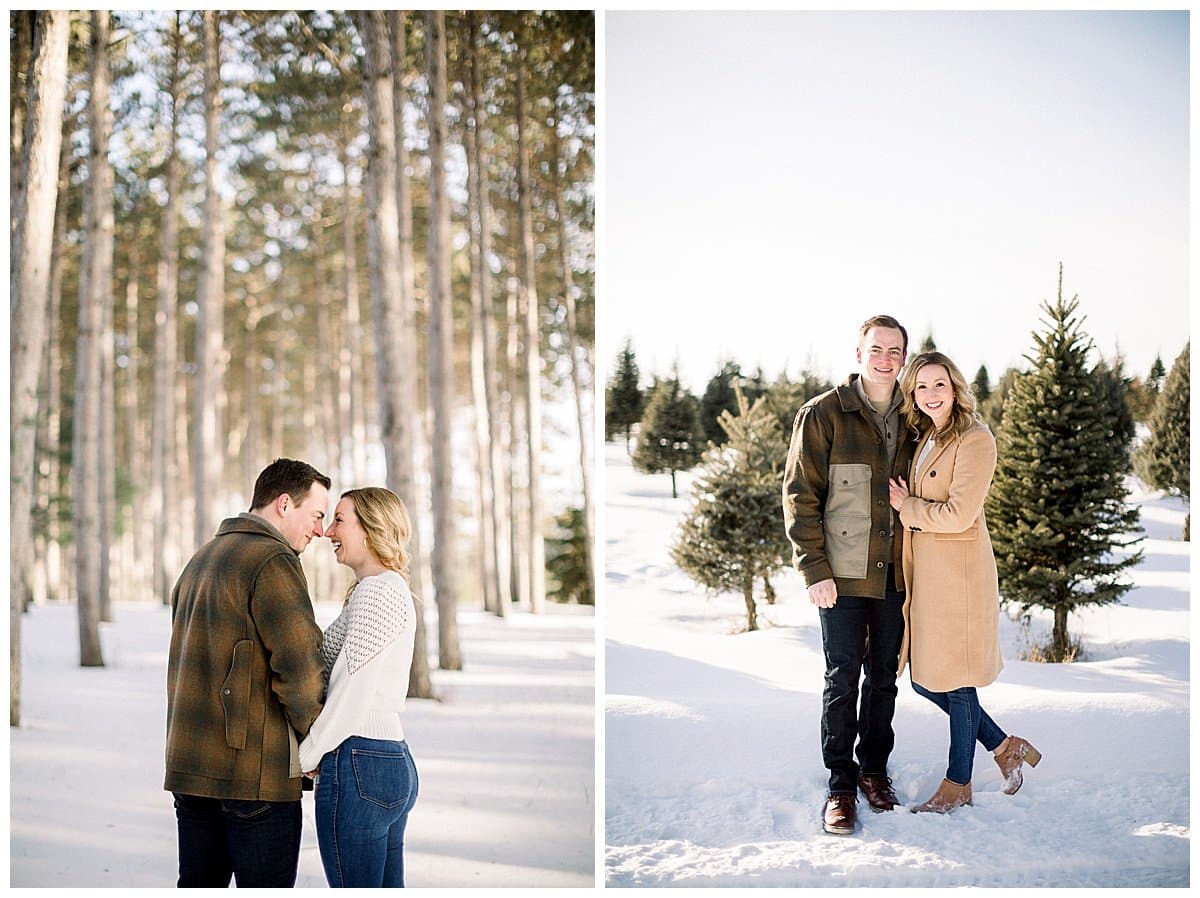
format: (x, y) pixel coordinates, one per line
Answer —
(235, 694)
(849, 490)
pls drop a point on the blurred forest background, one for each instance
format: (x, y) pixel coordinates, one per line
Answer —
(363, 240)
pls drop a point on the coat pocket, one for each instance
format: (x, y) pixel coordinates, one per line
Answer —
(235, 694)
(848, 520)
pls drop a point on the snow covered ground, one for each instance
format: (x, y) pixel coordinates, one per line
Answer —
(713, 773)
(506, 757)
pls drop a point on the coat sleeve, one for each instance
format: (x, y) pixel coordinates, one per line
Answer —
(283, 616)
(805, 485)
(379, 613)
(974, 464)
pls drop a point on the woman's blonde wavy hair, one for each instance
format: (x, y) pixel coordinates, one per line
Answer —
(385, 519)
(962, 417)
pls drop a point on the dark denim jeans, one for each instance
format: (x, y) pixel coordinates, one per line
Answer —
(365, 791)
(257, 843)
(861, 636)
(968, 722)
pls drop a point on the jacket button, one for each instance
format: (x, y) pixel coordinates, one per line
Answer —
(227, 691)
(883, 533)
(933, 473)
(879, 564)
(843, 533)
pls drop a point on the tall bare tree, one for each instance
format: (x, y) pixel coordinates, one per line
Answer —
(33, 217)
(441, 363)
(494, 522)
(95, 292)
(164, 496)
(207, 446)
(418, 681)
(573, 352)
(533, 357)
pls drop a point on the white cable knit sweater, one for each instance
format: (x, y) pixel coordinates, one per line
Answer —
(368, 651)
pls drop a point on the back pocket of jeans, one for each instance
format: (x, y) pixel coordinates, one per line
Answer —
(381, 777)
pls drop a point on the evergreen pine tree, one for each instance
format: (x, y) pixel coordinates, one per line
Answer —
(731, 536)
(927, 345)
(719, 395)
(567, 568)
(992, 408)
(1057, 510)
(785, 396)
(1158, 374)
(1164, 461)
(669, 438)
(982, 385)
(623, 399)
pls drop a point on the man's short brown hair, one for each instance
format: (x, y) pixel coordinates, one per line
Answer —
(883, 321)
(286, 475)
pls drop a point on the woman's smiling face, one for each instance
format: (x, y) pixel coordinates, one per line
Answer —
(933, 393)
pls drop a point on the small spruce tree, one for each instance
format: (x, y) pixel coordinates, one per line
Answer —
(928, 345)
(669, 438)
(567, 559)
(719, 395)
(623, 399)
(1057, 509)
(1158, 373)
(731, 536)
(982, 385)
(1164, 461)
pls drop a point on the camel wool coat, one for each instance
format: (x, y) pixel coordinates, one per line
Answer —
(952, 603)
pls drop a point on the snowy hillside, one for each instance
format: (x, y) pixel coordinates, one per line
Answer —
(505, 757)
(713, 765)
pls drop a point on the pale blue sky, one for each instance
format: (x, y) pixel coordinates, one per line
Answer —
(772, 179)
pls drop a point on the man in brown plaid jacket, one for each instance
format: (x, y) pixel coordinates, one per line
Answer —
(244, 681)
(846, 443)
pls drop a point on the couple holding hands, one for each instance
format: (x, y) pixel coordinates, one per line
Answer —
(883, 499)
(260, 702)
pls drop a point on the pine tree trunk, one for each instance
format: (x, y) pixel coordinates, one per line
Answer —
(164, 502)
(482, 345)
(518, 534)
(441, 362)
(28, 293)
(395, 357)
(1061, 640)
(95, 291)
(577, 379)
(751, 609)
(769, 589)
(533, 358)
(22, 23)
(56, 574)
(419, 497)
(134, 534)
(208, 448)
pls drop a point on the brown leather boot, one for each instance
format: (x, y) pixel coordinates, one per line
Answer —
(841, 814)
(947, 797)
(1010, 755)
(878, 789)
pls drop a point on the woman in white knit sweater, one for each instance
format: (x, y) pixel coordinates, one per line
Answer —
(366, 779)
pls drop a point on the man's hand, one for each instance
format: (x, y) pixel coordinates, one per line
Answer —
(823, 594)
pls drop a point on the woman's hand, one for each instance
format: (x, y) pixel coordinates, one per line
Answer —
(311, 774)
(898, 492)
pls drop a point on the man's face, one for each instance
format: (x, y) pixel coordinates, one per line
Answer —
(881, 355)
(300, 523)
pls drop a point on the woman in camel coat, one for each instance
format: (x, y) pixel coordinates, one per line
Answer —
(951, 613)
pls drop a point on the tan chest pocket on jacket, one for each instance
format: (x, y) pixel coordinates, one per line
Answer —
(235, 694)
(848, 520)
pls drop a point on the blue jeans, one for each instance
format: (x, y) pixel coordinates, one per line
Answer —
(860, 636)
(364, 792)
(255, 842)
(968, 722)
